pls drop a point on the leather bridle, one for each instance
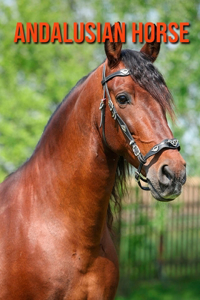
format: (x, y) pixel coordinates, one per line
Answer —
(165, 144)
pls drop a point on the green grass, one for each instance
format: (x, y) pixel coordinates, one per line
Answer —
(185, 289)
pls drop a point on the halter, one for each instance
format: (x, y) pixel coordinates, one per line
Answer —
(165, 144)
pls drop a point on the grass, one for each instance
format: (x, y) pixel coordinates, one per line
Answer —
(185, 289)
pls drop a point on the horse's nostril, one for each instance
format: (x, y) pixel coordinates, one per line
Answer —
(166, 172)
(166, 175)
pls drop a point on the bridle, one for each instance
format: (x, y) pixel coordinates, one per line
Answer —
(165, 144)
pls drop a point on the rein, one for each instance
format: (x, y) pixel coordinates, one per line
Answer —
(165, 144)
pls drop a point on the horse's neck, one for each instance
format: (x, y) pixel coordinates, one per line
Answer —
(71, 166)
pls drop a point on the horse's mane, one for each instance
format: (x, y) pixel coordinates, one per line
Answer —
(149, 78)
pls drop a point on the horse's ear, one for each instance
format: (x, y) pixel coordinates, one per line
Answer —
(152, 49)
(113, 49)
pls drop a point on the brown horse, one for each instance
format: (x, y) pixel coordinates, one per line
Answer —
(54, 210)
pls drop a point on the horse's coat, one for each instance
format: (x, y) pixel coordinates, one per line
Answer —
(54, 239)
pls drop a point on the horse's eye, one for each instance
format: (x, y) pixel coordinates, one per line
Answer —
(122, 99)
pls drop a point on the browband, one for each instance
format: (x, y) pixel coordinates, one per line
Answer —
(122, 72)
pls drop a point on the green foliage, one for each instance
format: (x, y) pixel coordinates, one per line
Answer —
(34, 78)
(155, 290)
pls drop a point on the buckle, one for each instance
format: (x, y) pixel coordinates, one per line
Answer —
(136, 150)
(124, 72)
(155, 148)
(174, 142)
(102, 103)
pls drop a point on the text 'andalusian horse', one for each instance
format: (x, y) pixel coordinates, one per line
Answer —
(55, 217)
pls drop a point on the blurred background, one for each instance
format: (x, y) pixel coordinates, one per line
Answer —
(158, 243)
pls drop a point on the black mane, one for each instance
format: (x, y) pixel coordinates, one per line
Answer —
(148, 77)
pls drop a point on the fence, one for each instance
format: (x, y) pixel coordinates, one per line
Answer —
(160, 239)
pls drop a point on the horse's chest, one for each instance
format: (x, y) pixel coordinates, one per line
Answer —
(62, 280)
(46, 268)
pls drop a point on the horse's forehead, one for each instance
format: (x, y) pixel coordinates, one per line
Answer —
(128, 84)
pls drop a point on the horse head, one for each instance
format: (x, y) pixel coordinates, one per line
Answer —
(133, 118)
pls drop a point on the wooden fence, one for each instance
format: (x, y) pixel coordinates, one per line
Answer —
(159, 240)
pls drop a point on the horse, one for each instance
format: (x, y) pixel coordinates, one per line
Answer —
(55, 212)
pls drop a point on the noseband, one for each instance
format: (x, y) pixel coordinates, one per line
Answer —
(165, 144)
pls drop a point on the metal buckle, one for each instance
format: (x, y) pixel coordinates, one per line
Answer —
(102, 103)
(124, 71)
(111, 105)
(173, 142)
(155, 148)
(123, 127)
(136, 150)
(112, 109)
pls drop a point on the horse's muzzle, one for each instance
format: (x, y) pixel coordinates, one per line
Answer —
(167, 185)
